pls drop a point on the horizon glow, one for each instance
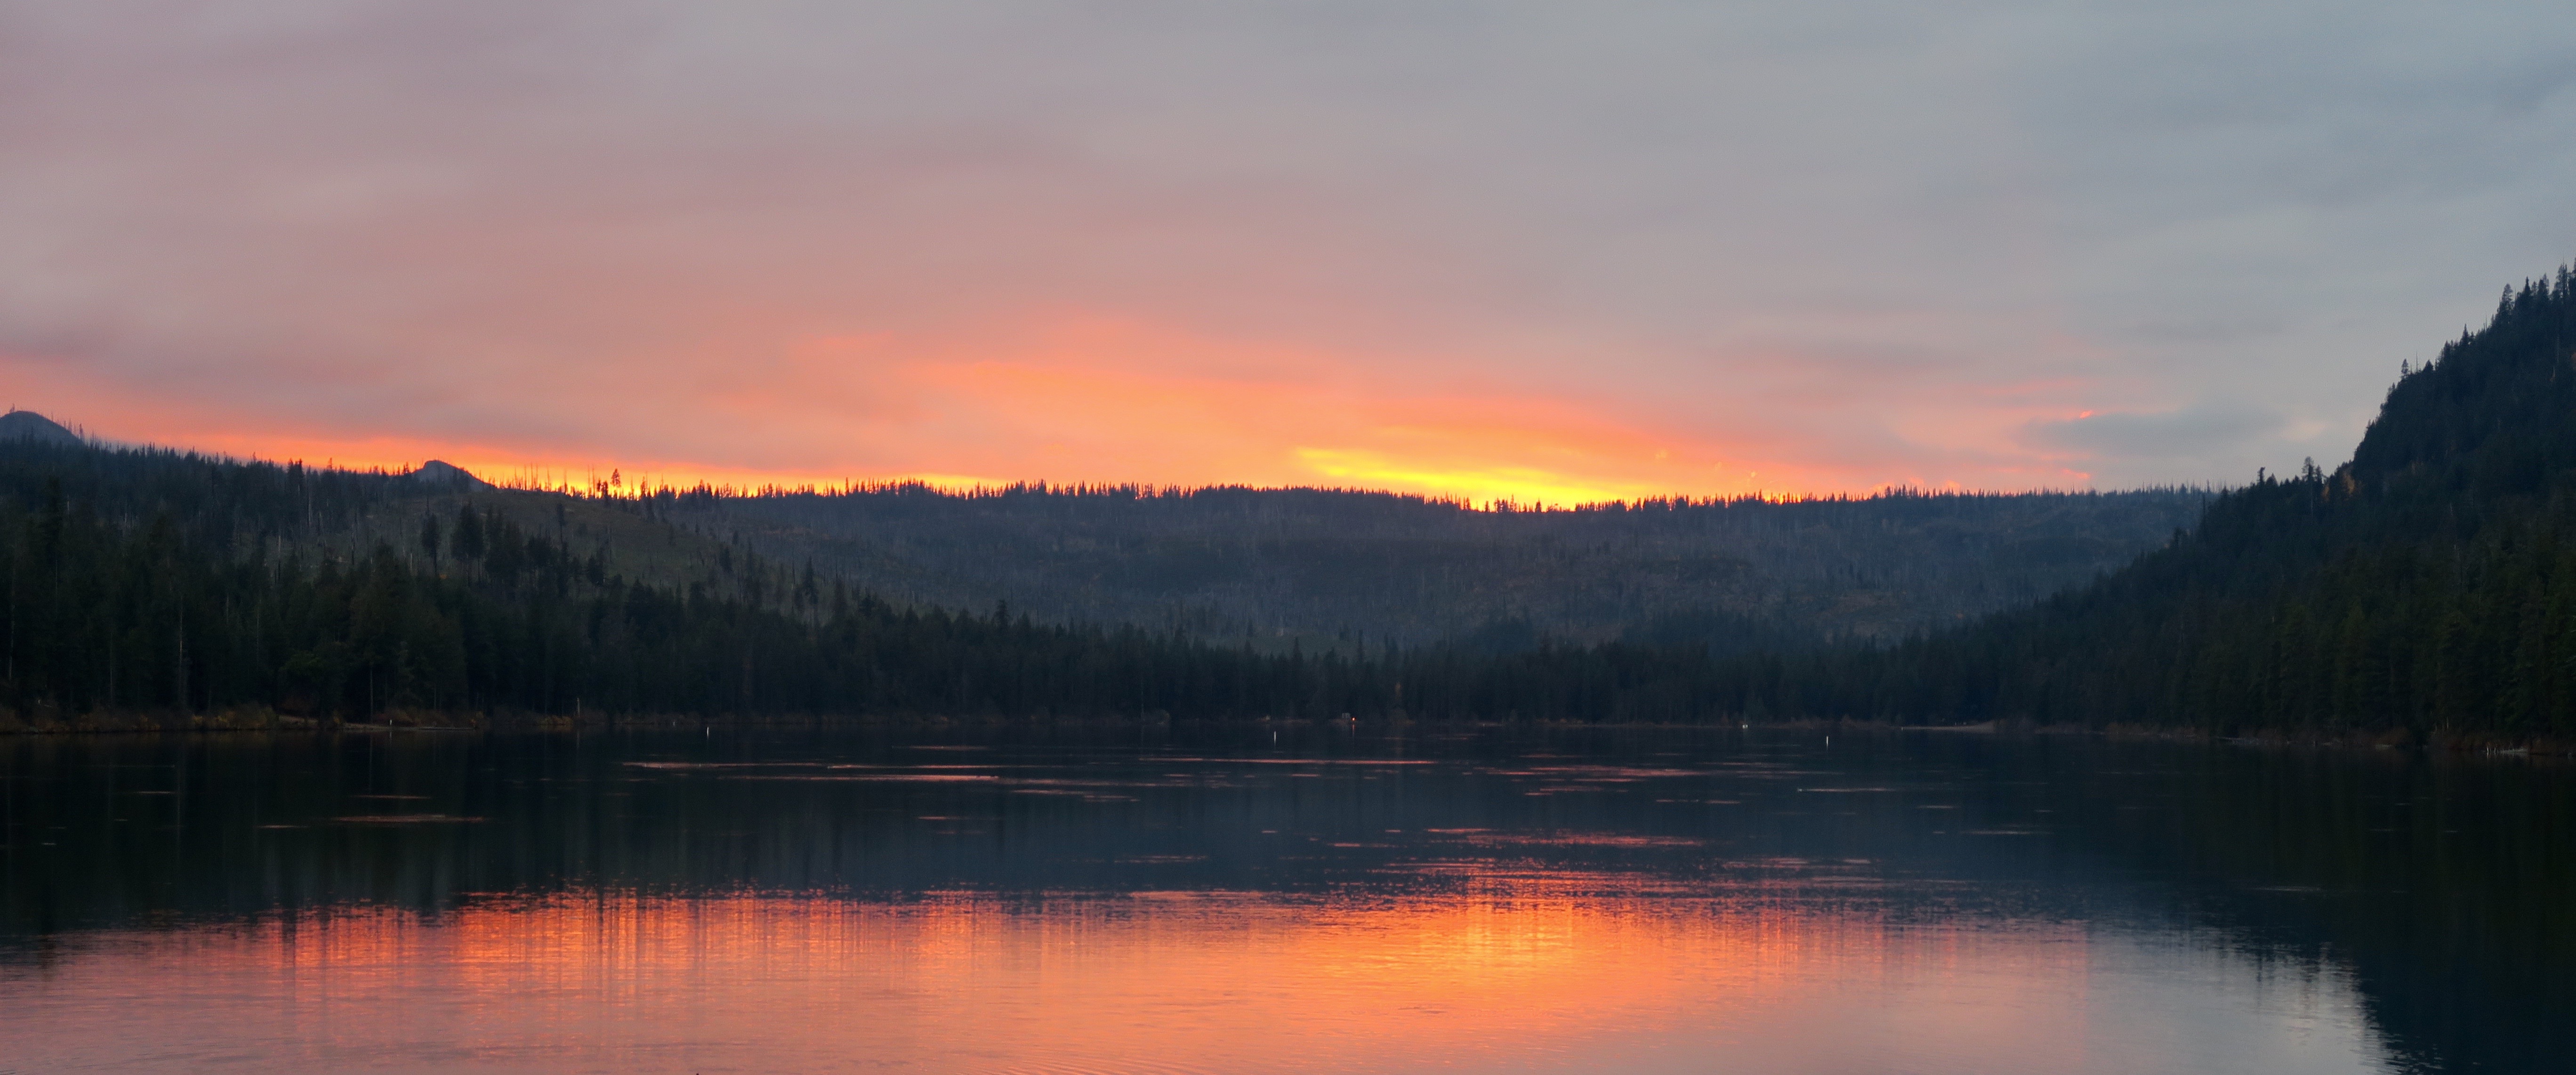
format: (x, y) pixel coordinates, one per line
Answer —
(1522, 253)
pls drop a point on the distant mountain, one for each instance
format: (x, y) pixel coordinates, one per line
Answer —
(1321, 570)
(337, 593)
(245, 509)
(31, 426)
(156, 589)
(440, 474)
(2426, 589)
(1328, 568)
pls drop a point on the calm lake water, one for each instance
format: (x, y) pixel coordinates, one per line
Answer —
(1302, 899)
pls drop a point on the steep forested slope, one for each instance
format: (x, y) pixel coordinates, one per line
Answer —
(2429, 585)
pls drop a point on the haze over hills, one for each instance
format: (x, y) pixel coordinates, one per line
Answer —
(177, 583)
(2426, 588)
(1330, 569)
(1330, 566)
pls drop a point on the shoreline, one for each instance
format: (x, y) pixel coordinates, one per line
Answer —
(262, 720)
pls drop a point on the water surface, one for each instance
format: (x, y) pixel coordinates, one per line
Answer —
(1258, 899)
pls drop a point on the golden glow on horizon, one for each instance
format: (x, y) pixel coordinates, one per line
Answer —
(1088, 401)
(1523, 485)
(1480, 455)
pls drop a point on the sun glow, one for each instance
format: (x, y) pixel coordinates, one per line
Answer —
(1514, 484)
(1081, 401)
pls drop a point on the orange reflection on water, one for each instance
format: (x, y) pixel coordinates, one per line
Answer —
(1177, 981)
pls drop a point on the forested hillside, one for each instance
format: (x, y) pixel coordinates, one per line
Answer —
(161, 584)
(2427, 586)
(157, 583)
(1328, 568)
(150, 581)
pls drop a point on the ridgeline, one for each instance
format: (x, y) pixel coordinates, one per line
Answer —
(2424, 591)
(1351, 570)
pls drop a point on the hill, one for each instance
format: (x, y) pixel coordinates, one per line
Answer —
(156, 587)
(1276, 569)
(1329, 568)
(31, 427)
(2425, 589)
(157, 581)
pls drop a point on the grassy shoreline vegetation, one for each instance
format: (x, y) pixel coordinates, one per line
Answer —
(2423, 593)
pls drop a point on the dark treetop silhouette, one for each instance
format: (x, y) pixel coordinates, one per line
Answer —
(2426, 587)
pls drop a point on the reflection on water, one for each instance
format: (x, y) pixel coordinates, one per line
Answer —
(1180, 982)
(1218, 901)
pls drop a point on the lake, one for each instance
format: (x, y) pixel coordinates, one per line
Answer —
(1254, 898)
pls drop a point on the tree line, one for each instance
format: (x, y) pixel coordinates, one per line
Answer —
(200, 606)
(2427, 586)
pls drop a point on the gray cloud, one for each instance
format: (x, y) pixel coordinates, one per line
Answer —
(1901, 236)
(2135, 445)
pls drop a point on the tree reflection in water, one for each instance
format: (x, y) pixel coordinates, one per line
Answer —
(1207, 898)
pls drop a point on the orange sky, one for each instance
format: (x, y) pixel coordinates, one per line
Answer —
(1088, 400)
(1544, 253)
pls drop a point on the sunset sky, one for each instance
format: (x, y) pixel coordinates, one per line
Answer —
(1546, 251)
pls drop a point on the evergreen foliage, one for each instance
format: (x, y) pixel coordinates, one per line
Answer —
(2428, 586)
(145, 581)
(1327, 567)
